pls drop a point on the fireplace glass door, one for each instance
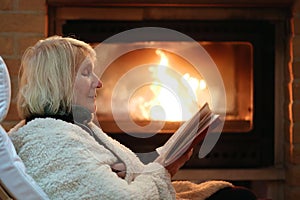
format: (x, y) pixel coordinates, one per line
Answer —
(153, 101)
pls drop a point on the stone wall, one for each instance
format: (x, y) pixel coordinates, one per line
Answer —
(22, 23)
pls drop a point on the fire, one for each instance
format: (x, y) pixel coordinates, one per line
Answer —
(174, 96)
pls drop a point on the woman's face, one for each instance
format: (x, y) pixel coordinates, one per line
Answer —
(85, 85)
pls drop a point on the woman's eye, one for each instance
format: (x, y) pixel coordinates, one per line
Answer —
(86, 72)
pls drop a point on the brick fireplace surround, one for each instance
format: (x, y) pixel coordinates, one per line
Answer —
(23, 22)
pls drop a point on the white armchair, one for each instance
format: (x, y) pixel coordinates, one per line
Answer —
(15, 183)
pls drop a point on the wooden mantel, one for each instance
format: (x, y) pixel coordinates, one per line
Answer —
(172, 3)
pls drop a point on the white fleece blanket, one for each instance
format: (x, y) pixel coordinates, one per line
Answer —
(67, 163)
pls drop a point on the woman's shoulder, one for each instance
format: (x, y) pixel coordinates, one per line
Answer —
(40, 123)
(50, 132)
(47, 121)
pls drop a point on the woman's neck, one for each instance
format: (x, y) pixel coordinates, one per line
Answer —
(78, 114)
(67, 117)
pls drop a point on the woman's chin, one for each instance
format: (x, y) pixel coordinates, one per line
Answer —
(95, 109)
(92, 109)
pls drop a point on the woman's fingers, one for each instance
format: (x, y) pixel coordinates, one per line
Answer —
(120, 169)
(175, 166)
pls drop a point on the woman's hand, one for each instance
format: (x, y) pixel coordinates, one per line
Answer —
(175, 166)
(120, 169)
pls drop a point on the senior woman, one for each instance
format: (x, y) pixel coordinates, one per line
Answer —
(64, 151)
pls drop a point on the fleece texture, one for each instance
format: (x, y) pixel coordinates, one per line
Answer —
(68, 163)
(189, 190)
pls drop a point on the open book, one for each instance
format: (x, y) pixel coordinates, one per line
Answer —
(187, 135)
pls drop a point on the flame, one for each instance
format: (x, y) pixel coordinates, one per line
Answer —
(163, 58)
(168, 105)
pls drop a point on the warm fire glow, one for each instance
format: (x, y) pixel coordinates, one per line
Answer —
(148, 86)
(168, 103)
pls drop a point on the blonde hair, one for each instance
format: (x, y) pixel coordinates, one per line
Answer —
(47, 75)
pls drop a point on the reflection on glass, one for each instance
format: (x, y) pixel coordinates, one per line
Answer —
(177, 89)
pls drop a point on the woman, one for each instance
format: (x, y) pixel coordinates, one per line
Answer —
(64, 151)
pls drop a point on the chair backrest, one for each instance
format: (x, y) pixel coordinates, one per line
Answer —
(15, 183)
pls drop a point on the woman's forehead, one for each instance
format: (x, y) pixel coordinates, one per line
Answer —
(87, 63)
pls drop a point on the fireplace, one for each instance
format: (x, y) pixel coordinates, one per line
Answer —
(249, 35)
(244, 52)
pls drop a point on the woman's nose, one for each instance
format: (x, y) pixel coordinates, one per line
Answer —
(99, 85)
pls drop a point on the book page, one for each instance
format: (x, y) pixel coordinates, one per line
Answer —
(181, 140)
